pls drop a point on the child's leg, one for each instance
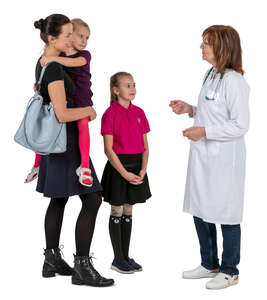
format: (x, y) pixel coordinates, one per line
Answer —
(84, 141)
(84, 145)
(126, 229)
(37, 160)
(115, 232)
(35, 169)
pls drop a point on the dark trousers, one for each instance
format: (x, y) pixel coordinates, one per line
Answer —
(207, 236)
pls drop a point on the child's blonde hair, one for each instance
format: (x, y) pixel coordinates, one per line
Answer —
(114, 82)
(79, 22)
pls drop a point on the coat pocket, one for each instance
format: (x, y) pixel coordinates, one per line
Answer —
(212, 148)
(206, 147)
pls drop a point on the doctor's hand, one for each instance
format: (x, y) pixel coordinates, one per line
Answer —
(180, 107)
(194, 133)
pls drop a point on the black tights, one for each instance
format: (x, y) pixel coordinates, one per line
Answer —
(84, 226)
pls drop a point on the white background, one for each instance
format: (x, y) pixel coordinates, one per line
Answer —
(158, 42)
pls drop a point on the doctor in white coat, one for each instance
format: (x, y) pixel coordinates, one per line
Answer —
(214, 190)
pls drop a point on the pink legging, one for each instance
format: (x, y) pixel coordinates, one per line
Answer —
(37, 160)
(84, 144)
(84, 141)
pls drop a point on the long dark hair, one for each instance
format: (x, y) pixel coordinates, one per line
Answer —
(51, 26)
(226, 46)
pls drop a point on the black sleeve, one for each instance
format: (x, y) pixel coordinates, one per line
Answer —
(52, 73)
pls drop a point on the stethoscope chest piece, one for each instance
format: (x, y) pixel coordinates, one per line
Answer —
(212, 95)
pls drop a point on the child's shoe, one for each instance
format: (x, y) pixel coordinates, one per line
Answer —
(222, 281)
(32, 175)
(135, 266)
(122, 267)
(199, 272)
(85, 177)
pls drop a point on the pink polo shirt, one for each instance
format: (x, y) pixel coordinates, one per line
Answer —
(127, 126)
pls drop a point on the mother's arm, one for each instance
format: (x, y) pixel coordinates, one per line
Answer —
(57, 95)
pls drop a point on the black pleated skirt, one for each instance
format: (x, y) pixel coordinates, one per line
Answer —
(117, 190)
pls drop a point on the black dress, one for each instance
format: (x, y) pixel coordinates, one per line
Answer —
(57, 175)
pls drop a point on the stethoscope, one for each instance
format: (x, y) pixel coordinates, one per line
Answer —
(217, 86)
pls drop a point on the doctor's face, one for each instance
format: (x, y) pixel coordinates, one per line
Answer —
(207, 51)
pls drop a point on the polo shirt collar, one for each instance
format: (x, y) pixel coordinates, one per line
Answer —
(121, 108)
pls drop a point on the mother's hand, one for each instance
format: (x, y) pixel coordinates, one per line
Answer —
(181, 107)
(194, 133)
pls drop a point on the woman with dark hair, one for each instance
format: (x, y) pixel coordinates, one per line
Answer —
(57, 174)
(216, 170)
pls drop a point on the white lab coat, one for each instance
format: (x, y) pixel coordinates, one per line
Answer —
(216, 168)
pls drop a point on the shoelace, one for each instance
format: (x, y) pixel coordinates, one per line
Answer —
(90, 259)
(61, 247)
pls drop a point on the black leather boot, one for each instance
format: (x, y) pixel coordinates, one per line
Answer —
(85, 274)
(54, 263)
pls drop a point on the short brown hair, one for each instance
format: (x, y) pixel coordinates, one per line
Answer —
(76, 22)
(226, 46)
(114, 82)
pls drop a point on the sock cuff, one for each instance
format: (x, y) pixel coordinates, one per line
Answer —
(115, 219)
(126, 218)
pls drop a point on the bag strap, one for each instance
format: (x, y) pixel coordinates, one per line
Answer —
(38, 85)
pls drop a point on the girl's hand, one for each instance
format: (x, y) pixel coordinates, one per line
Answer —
(142, 174)
(92, 113)
(181, 107)
(132, 178)
(194, 133)
(46, 60)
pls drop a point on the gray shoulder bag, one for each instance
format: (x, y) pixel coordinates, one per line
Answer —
(40, 130)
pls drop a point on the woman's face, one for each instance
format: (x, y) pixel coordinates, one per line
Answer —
(207, 51)
(63, 41)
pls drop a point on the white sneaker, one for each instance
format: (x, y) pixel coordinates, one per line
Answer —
(199, 272)
(222, 281)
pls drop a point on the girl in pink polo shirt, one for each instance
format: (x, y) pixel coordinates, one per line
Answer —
(124, 128)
